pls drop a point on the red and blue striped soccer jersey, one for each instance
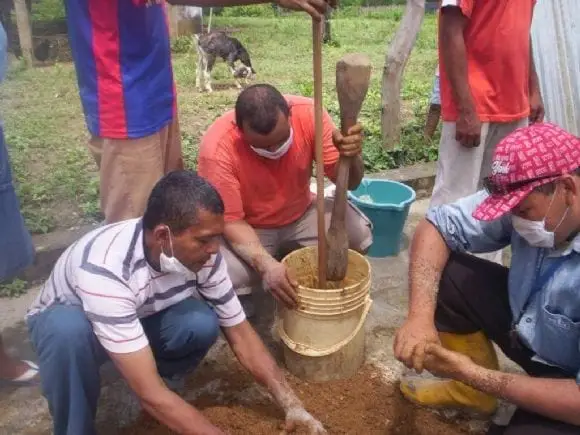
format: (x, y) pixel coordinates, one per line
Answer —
(122, 55)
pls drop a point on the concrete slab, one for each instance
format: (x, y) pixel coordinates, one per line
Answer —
(48, 248)
(24, 411)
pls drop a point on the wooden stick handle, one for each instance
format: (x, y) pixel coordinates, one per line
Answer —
(317, 70)
(353, 73)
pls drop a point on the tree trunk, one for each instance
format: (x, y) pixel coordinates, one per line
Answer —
(24, 32)
(395, 61)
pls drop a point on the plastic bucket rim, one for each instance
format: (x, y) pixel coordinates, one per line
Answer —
(332, 310)
(340, 313)
(362, 283)
(342, 289)
(383, 205)
(332, 303)
(346, 292)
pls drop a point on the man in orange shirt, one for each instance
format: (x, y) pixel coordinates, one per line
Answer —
(259, 157)
(489, 88)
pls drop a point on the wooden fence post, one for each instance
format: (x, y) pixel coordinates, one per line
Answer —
(173, 20)
(396, 59)
(24, 31)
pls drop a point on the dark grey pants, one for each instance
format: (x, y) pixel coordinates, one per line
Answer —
(473, 296)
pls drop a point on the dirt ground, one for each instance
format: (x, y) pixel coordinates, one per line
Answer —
(363, 404)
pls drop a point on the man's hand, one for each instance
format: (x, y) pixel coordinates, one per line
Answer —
(281, 283)
(536, 107)
(299, 418)
(351, 144)
(448, 364)
(315, 8)
(252, 354)
(140, 371)
(412, 340)
(468, 129)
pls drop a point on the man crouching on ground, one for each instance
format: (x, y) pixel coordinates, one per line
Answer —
(259, 157)
(531, 310)
(150, 294)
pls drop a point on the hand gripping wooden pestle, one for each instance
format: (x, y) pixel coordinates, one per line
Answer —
(353, 73)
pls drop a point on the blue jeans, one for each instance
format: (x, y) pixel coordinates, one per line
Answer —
(70, 355)
(16, 248)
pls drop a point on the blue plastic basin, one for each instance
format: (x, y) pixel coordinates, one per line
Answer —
(388, 211)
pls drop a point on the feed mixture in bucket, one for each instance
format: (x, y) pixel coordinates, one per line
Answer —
(324, 337)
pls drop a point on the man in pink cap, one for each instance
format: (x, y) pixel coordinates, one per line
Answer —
(460, 304)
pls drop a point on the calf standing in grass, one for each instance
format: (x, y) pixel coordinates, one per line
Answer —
(212, 45)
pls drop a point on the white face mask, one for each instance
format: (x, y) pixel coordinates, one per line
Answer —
(534, 232)
(283, 149)
(172, 264)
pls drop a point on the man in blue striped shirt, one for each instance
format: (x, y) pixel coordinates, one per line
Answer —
(150, 294)
(459, 303)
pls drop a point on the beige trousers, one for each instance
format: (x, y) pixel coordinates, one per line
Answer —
(129, 168)
(461, 170)
(302, 233)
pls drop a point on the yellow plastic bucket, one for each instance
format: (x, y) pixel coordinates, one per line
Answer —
(324, 337)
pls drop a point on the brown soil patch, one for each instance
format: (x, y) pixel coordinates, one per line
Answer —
(360, 405)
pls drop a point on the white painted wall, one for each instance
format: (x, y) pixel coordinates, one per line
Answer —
(556, 43)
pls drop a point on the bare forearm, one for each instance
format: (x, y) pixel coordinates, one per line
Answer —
(178, 415)
(454, 56)
(255, 358)
(246, 243)
(558, 399)
(356, 172)
(268, 374)
(428, 257)
(139, 370)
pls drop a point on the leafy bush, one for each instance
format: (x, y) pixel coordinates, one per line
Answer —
(183, 44)
(265, 11)
(13, 289)
(48, 10)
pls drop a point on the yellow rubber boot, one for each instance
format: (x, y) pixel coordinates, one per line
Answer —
(445, 393)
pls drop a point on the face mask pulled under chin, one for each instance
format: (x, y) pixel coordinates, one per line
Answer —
(282, 150)
(170, 264)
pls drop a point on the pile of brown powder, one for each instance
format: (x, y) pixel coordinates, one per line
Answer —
(361, 405)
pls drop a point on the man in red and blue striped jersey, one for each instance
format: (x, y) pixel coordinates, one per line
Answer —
(121, 50)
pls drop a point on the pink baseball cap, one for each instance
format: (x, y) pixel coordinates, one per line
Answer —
(525, 159)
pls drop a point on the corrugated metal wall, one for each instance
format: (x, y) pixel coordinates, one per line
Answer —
(556, 43)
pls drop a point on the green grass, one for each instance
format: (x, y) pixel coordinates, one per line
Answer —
(14, 288)
(57, 180)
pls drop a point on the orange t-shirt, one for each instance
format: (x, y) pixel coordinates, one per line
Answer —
(498, 59)
(265, 193)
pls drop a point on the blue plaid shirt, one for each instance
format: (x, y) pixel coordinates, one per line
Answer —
(544, 284)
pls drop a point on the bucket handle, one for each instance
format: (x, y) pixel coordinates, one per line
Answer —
(308, 351)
